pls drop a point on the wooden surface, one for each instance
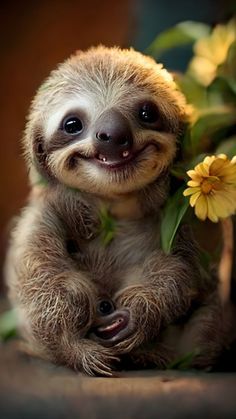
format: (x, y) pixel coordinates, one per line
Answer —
(31, 388)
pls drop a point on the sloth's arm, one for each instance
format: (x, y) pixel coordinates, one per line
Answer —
(56, 302)
(169, 285)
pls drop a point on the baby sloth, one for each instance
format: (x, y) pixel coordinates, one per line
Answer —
(100, 137)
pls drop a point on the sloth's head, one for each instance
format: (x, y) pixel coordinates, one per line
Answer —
(106, 122)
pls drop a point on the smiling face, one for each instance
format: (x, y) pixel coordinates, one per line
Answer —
(105, 122)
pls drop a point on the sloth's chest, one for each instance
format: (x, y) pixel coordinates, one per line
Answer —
(115, 258)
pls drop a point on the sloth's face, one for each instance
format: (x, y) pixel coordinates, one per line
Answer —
(111, 151)
(105, 133)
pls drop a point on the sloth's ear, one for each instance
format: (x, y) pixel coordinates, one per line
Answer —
(35, 151)
(40, 156)
(39, 152)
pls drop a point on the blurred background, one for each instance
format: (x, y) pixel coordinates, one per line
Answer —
(36, 35)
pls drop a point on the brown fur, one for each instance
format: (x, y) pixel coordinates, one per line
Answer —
(57, 266)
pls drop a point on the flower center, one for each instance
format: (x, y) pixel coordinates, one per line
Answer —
(209, 184)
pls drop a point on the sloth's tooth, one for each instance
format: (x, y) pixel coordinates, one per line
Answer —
(101, 157)
(125, 153)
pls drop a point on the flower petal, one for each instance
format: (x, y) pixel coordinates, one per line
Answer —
(212, 187)
(194, 198)
(202, 169)
(222, 156)
(195, 176)
(228, 173)
(209, 159)
(202, 69)
(201, 208)
(190, 191)
(193, 183)
(223, 204)
(211, 213)
(216, 167)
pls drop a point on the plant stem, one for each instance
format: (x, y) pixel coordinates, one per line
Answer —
(226, 262)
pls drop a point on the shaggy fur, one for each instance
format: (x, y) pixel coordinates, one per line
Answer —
(58, 267)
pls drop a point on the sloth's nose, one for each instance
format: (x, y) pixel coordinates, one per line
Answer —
(113, 136)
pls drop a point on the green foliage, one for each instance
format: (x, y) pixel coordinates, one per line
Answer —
(209, 85)
(208, 124)
(184, 362)
(174, 212)
(228, 147)
(182, 34)
(193, 91)
(8, 323)
(107, 227)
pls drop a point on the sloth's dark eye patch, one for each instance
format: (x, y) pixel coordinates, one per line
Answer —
(72, 125)
(149, 113)
(40, 149)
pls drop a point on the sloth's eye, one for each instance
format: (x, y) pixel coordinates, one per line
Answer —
(105, 307)
(72, 125)
(148, 113)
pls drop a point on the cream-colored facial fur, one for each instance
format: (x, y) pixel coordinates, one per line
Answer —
(91, 84)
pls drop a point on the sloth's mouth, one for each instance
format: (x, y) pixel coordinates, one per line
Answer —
(126, 158)
(111, 328)
(114, 163)
(109, 331)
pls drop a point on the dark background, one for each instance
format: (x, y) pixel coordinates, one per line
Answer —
(36, 35)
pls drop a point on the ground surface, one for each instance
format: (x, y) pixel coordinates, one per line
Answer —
(30, 388)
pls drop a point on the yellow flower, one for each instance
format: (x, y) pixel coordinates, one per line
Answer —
(212, 188)
(211, 52)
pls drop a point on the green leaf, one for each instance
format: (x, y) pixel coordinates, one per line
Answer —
(178, 170)
(8, 324)
(195, 93)
(184, 362)
(184, 33)
(186, 142)
(173, 214)
(220, 93)
(197, 159)
(227, 147)
(208, 124)
(108, 226)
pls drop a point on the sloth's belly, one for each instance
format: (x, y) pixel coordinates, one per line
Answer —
(120, 262)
